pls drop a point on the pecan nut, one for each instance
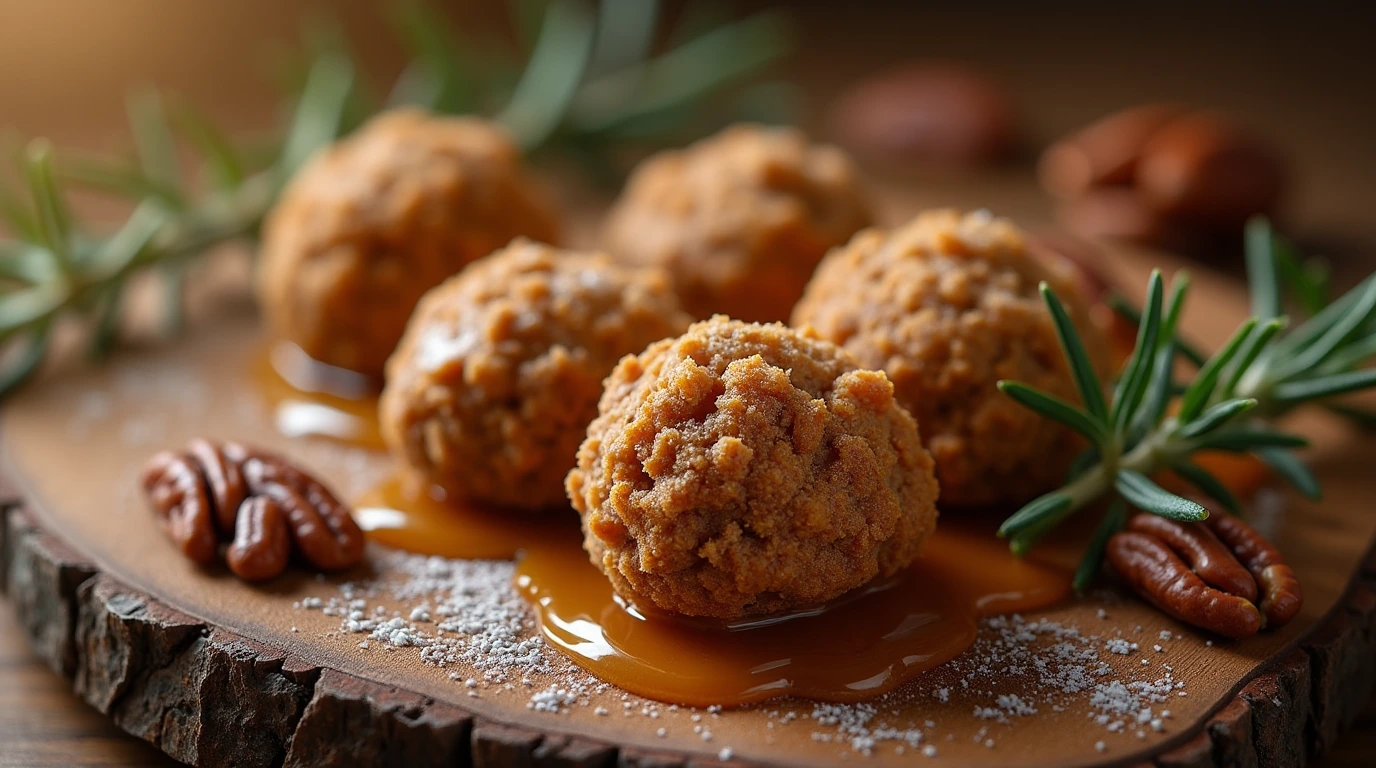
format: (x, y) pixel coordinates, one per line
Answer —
(1280, 592)
(257, 502)
(1220, 575)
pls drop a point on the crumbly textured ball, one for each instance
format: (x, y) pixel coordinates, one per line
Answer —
(746, 469)
(372, 223)
(740, 219)
(493, 385)
(948, 305)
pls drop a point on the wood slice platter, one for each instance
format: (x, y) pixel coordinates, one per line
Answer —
(217, 672)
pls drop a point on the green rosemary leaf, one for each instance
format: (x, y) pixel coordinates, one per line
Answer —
(1298, 391)
(1091, 390)
(1142, 493)
(1040, 509)
(1308, 281)
(552, 76)
(1160, 381)
(1352, 354)
(320, 111)
(1133, 385)
(222, 161)
(153, 140)
(54, 219)
(442, 77)
(1022, 542)
(117, 178)
(1289, 466)
(1159, 391)
(16, 215)
(1093, 559)
(1199, 392)
(22, 308)
(625, 32)
(1249, 438)
(1262, 279)
(1027, 537)
(25, 362)
(1333, 338)
(1311, 330)
(675, 79)
(106, 331)
(1180, 288)
(1216, 416)
(1205, 481)
(25, 263)
(115, 255)
(1250, 352)
(1130, 313)
(1057, 409)
(174, 295)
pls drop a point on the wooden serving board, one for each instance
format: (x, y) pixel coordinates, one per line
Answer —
(217, 672)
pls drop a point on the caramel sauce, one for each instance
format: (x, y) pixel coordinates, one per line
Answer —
(406, 513)
(857, 647)
(311, 399)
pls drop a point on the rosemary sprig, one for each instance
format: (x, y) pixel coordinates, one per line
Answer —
(1262, 372)
(591, 83)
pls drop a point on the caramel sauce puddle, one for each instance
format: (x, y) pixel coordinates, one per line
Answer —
(405, 513)
(855, 648)
(309, 398)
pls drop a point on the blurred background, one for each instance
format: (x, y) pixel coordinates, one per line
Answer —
(968, 104)
(1299, 79)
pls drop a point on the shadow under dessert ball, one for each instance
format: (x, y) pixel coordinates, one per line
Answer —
(500, 369)
(746, 469)
(371, 224)
(947, 305)
(740, 219)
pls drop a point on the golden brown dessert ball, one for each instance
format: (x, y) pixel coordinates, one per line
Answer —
(948, 305)
(740, 219)
(499, 372)
(746, 469)
(380, 218)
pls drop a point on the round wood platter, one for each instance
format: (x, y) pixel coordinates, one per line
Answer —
(217, 672)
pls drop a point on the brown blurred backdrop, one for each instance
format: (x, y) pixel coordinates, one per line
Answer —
(1301, 76)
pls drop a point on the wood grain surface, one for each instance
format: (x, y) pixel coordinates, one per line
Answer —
(1302, 77)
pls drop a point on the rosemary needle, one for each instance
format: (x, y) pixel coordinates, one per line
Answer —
(1262, 372)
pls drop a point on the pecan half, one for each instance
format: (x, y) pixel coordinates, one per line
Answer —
(259, 503)
(1281, 595)
(1207, 574)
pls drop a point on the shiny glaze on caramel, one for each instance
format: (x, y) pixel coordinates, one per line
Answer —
(311, 399)
(406, 513)
(857, 647)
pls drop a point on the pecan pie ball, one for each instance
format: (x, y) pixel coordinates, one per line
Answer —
(947, 305)
(746, 469)
(499, 372)
(375, 221)
(739, 219)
